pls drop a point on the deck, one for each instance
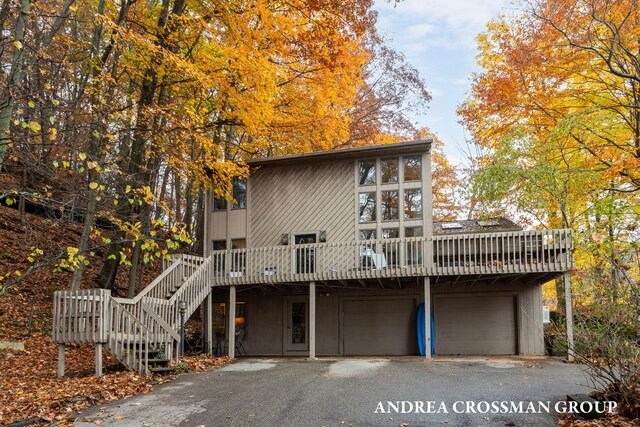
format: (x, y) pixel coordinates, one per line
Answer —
(515, 252)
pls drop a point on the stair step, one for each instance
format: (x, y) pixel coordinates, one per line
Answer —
(163, 369)
(158, 360)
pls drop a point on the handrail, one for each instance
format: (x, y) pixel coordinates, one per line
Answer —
(129, 339)
(152, 286)
(193, 291)
(440, 255)
(149, 311)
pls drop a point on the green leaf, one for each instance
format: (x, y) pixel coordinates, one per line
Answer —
(55, 102)
(93, 185)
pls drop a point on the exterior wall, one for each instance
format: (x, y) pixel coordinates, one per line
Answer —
(266, 314)
(313, 197)
(307, 199)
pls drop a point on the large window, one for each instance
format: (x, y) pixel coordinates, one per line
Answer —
(220, 320)
(390, 205)
(413, 203)
(367, 206)
(412, 168)
(390, 201)
(367, 172)
(389, 171)
(239, 193)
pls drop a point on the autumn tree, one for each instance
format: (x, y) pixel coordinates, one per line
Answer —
(122, 113)
(555, 113)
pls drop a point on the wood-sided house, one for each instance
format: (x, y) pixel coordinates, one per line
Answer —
(331, 253)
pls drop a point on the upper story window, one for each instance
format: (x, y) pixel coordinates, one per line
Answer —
(367, 202)
(413, 203)
(219, 204)
(412, 168)
(367, 170)
(389, 204)
(239, 193)
(389, 171)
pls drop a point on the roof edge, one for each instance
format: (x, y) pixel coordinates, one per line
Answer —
(397, 148)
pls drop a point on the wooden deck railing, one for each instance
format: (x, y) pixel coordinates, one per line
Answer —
(443, 255)
(193, 291)
(81, 316)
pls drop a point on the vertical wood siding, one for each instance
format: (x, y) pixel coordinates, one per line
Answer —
(304, 199)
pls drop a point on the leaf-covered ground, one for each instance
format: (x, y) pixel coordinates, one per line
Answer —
(29, 386)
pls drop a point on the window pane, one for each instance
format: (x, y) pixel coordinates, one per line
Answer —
(413, 203)
(219, 204)
(413, 232)
(367, 234)
(367, 172)
(389, 205)
(367, 206)
(220, 323)
(219, 320)
(412, 167)
(241, 321)
(389, 170)
(239, 193)
(390, 233)
(219, 245)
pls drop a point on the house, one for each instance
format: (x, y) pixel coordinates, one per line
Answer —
(332, 253)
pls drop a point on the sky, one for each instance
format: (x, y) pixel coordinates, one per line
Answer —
(438, 38)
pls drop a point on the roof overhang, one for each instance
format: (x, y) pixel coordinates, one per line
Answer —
(400, 148)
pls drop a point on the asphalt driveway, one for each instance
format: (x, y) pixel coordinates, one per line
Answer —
(355, 392)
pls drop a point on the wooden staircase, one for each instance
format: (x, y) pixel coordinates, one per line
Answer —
(141, 332)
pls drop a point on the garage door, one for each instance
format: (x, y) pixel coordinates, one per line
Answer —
(479, 325)
(379, 327)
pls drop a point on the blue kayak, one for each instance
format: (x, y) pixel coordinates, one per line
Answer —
(421, 331)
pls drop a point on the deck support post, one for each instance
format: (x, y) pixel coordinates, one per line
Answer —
(232, 322)
(207, 325)
(427, 317)
(569, 316)
(312, 321)
(61, 360)
(98, 359)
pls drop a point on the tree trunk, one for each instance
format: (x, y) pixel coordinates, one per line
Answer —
(15, 77)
